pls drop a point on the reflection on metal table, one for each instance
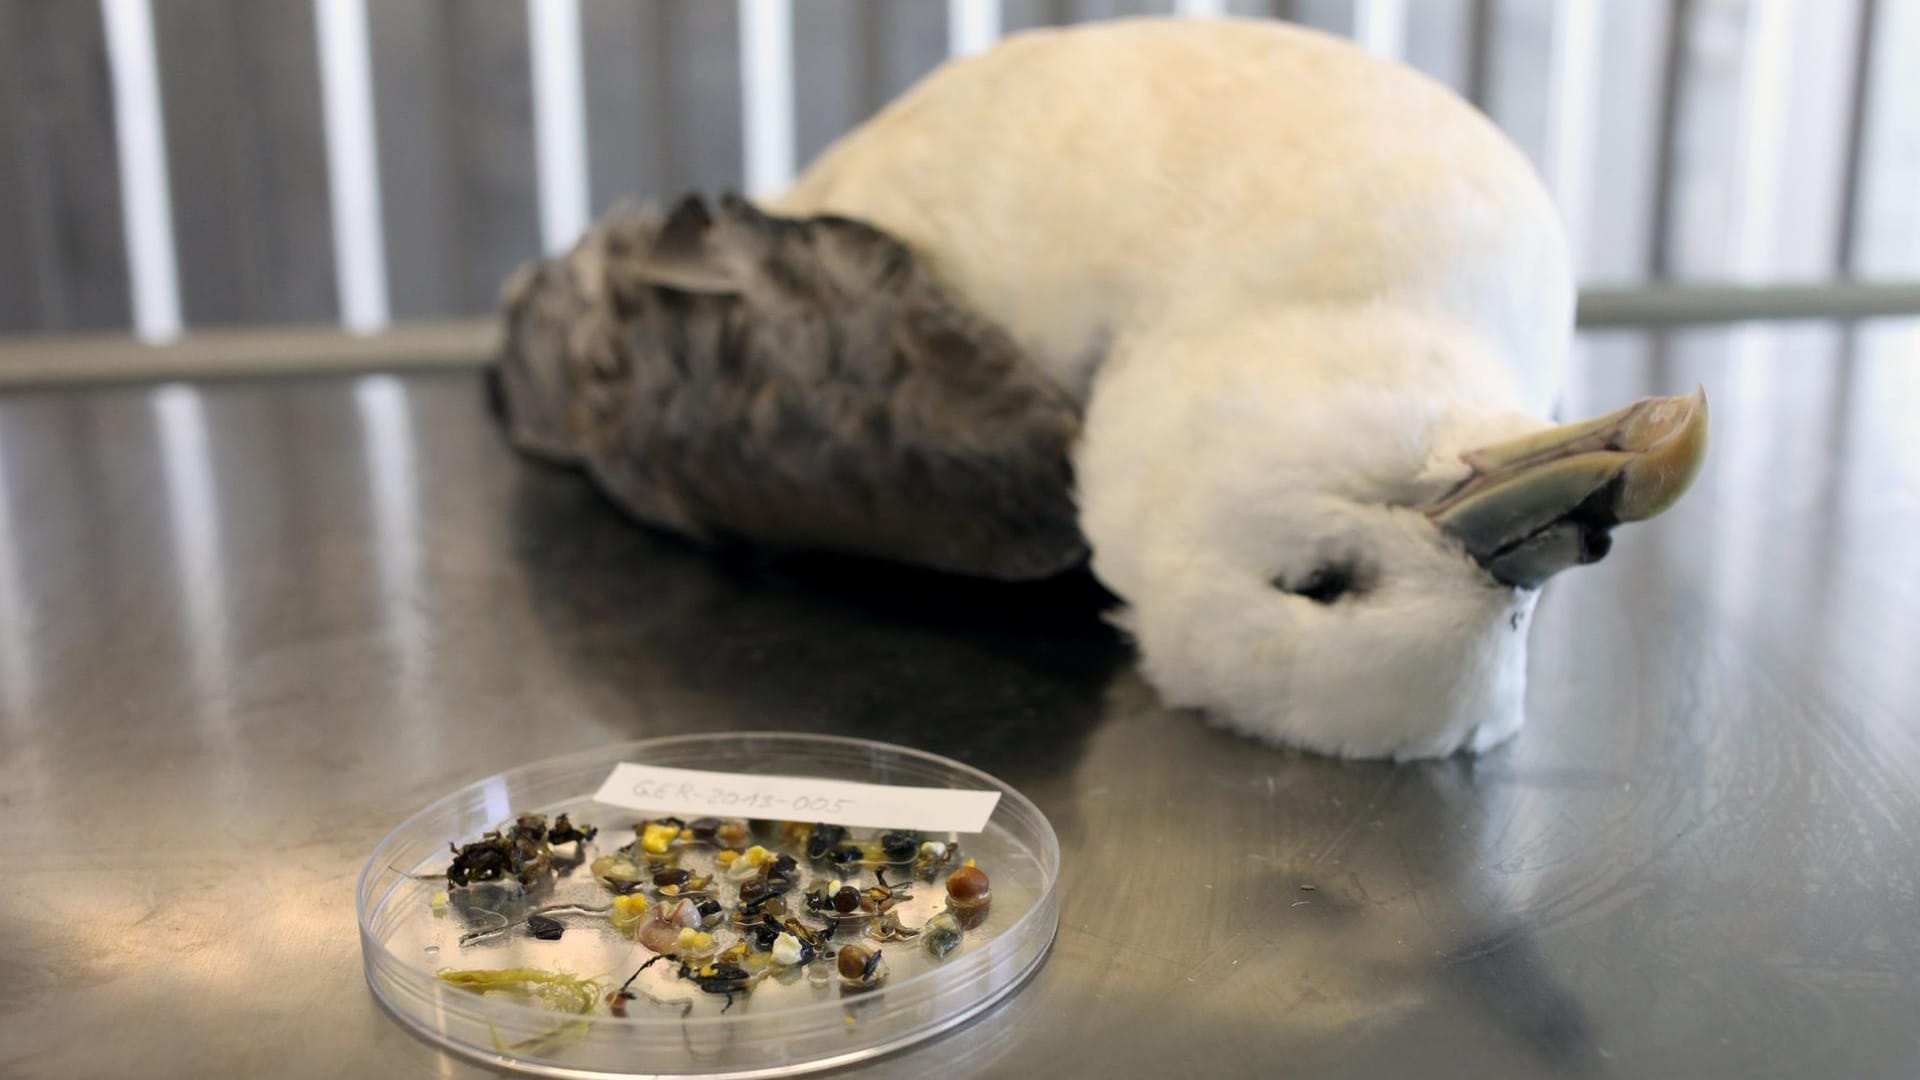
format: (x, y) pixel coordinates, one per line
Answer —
(246, 627)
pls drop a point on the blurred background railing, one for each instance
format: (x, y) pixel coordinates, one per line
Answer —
(171, 166)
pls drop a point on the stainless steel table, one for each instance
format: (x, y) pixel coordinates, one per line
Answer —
(245, 627)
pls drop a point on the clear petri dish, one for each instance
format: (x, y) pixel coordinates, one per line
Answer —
(792, 1021)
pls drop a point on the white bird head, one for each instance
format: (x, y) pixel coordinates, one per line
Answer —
(1355, 572)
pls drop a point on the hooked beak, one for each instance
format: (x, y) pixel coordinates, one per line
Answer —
(1540, 503)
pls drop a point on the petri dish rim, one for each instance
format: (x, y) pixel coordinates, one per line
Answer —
(391, 978)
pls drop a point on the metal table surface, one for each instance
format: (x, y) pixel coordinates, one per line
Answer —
(246, 627)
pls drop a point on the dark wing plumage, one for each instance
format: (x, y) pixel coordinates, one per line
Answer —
(797, 383)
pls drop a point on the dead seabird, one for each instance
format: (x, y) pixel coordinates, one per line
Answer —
(1262, 323)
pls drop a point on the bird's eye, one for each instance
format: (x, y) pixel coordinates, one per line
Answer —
(1323, 586)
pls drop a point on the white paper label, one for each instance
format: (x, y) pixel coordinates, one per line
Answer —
(694, 793)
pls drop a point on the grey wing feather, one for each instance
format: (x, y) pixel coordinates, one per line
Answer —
(797, 383)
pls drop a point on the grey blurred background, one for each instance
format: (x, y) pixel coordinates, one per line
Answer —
(169, 166)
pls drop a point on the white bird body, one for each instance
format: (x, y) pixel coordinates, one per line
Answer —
(1284, 274)
(1093, 187)
(1262, 322)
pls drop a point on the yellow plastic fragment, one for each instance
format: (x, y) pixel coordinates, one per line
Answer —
(628, 911)
(757, 855)
(656, 838)
(439, 904)
(725, 858)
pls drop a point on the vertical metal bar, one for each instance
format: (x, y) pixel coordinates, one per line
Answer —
(1380, 27)
(766, 94)
(353, 164)
(1570, 116)
(1846, 249)
(972, 26)
(1751, 380)
(1200, 9)
(1764, 84)
(1480, 53)
(63, 241)
(559, 121)
(145, 199)
(866, 45)
(1667, 139)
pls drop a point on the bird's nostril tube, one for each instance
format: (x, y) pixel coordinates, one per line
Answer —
(1594, 545)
